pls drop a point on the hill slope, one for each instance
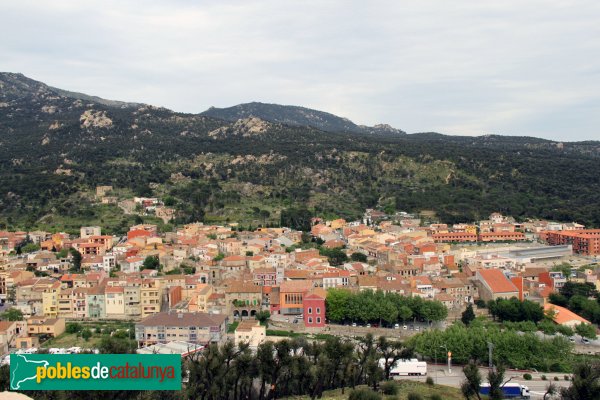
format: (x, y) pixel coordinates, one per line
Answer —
(56, 147)
(297, 116)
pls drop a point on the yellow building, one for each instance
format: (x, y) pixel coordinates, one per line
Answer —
(150, 296)
(50, 300)
(251, 332)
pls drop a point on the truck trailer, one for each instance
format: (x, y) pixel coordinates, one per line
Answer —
(510, 390)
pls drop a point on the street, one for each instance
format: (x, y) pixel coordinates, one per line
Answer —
(537, 386)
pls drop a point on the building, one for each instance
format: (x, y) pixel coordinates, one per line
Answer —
(251, 332)
(87, 231)
(584, 241)
(8, 335)
(291, 295)
(493, 284)
(45, 326)
(563, 316)
(452, 237)
(313, 304)
(171, 326)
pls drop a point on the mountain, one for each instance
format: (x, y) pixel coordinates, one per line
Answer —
(57, 146)
(297, 116)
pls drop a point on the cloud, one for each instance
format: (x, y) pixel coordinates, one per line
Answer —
(457, 67)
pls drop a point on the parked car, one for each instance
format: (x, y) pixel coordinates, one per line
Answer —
(404, 327)
(396, 326)
(354, 324)
(585, 340)
(368, 325)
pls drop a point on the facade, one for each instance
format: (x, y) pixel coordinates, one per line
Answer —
(314, 309)
(189, 327)
(493, 284)
(45, 326)
(584, 241)
(150, 297)
(250, 332)
(454, 237)
(96, 305)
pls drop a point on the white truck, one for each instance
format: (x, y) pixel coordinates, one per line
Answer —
(412, 367)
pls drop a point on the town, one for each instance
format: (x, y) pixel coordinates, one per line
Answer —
(194, 283)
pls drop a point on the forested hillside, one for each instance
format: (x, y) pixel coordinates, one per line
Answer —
(56, 146)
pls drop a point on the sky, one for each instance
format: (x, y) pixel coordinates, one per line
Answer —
(527, 68)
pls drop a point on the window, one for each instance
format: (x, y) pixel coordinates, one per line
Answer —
(310, 310)
(318, 320)
(318, 310)
(310, 320)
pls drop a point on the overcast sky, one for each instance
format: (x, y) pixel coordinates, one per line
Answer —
(457, 67)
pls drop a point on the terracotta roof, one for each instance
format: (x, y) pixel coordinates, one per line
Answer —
(563, 315)
(497, 281)
(247, 325)
(183, 319)
(296, 273)
(295, 286)
(4, 325)
(243, 287)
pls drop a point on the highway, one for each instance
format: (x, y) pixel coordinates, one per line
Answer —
(536, 386)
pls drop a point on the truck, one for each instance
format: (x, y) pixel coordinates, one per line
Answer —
(510, 390)
(409, 367)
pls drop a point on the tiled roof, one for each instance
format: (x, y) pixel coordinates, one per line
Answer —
(563, 315)
(183, 319)
(497, 281)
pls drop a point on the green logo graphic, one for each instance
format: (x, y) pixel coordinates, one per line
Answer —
(95, 372)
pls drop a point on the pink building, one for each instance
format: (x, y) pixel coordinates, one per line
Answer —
(313, 304)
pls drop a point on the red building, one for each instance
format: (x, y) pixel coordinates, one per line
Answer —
(314, 308)
(501, 236)
(584, 241)
(454, 237)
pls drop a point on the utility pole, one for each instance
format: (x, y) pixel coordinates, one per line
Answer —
(449, 355)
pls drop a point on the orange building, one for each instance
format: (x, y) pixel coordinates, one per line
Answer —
(291, 296)
(584, 241)
(501, 236)
(454, 237)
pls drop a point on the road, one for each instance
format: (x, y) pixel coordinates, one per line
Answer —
(536, 386)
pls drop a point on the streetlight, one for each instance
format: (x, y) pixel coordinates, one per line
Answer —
(449, 355)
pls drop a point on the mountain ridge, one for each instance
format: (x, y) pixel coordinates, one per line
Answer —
(56, 147)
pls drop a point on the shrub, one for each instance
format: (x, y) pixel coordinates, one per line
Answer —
(435, 397)
(73, 327)
(414, 396)
(543, 377)
(556, 378)
(567, 378)
(389, 388)
(429, 381)
(527, 377)
(364, 394)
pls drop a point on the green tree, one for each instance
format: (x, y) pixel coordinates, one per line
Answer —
(468, 315)
(263, 316)
(13, 314)
(495, 378)
(404, 313)
(76, 260)
(586, 330)
(359, 257)
(86, 334)
(585, 384)
(151, 262)
(30, 248)
(472, 383)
